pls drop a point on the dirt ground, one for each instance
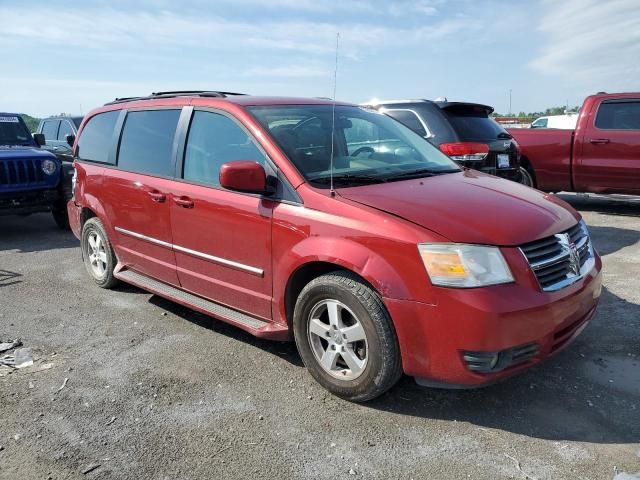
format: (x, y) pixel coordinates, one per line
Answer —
(139, 387)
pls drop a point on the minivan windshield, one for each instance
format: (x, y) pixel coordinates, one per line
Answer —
(368, 147)
(13, 132)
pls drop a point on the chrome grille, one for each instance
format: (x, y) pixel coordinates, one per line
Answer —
(21, 172)
(562, 259)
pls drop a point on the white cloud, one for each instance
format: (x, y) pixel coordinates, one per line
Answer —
(593, 43)
(102, 29)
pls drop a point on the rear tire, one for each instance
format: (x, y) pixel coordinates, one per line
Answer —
(526, 178)
(346, 338)
(99, 258)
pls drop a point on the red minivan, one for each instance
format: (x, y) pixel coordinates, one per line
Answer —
(336, 226)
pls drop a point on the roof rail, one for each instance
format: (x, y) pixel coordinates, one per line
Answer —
(176, 93)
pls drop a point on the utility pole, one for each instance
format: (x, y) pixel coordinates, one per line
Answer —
(509, 102)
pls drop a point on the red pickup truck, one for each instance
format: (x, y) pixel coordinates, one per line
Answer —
(602, 155)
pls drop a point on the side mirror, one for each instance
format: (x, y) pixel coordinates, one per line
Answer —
(243, 176)
(70, 139)
(39, 139)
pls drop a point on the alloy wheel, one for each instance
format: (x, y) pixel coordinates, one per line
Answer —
(97, 254)
(338, 340)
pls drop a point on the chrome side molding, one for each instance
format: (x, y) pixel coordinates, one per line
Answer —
(205, 256)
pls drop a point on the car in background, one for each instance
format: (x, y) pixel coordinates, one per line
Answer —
(337, 227)
(32, 180)
(464, 131)
(59, 134)
(602, 154)
(567, 121)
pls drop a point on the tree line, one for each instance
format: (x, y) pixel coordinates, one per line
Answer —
(549, 111)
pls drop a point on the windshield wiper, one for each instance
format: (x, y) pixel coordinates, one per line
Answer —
(347, 178)
(424, 172)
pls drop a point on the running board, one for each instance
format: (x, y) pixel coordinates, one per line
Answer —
(252, 325)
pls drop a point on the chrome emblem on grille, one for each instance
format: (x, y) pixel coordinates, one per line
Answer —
(570, 247)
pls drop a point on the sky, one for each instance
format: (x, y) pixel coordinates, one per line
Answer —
(62, 56)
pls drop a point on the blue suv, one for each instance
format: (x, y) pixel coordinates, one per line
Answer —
(31, 180)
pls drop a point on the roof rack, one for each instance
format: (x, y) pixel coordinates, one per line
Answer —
(176, 93)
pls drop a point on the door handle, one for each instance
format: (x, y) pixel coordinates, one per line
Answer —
(599, 140)
(184, 202)
(157, 197)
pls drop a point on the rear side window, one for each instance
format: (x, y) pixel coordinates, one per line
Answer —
(95, 140)
(65, 129)
(473, 125)
(146, 145)
(213, 140)
(409, 119)
(50, 129)
(619, 115)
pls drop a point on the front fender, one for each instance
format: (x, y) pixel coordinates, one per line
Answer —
(351, 256)
(404, 281)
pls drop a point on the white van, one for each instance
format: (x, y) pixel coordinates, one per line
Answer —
(556, 121)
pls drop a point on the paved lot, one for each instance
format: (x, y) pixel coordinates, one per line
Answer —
(154, 390)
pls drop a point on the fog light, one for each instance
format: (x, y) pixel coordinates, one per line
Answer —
(491, 362)
(49, 167)
(481, 361)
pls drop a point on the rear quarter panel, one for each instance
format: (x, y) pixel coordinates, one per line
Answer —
(88, 186)
(549, 153)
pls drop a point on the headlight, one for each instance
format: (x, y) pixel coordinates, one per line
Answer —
(49, 167)
(464, 266)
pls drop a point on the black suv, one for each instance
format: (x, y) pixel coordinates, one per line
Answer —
(59, 134)
(462, 130)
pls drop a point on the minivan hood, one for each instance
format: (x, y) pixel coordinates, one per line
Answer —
(470, 207)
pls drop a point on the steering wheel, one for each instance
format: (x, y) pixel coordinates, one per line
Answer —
(361, 150)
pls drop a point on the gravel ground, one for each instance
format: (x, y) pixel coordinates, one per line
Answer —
(154, 390)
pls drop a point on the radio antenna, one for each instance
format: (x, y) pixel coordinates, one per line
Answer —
(332, 191)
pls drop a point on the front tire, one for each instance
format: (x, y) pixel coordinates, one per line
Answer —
(99, 257)
(61, 217)
(346, 338)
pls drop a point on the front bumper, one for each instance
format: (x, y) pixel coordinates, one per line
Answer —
(25, 203)
(434, 338)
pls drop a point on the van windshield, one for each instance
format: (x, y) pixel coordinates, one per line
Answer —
(13, 132)
(368, 147)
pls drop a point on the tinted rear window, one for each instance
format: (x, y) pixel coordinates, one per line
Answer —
(619, 115)
(473, 125)
(95, 140)
(147, 142)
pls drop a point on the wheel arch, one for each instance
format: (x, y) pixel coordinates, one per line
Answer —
(306, 273)
(319, 257)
